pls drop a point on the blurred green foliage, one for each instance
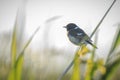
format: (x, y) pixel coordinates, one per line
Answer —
(103, 70)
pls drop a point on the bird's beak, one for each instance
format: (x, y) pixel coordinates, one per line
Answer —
(64, 27)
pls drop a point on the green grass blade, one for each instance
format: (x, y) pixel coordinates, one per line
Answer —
(76, 68)
(111, 69)
(91, 66)
(94, 49)
(11, 75)
(16, 42)
(116, 43)
(19, 62)
(89, 70)
(26, 45)
(18, 68)
(13, 46)
(22, 53)
(113, 66)
(20, 59)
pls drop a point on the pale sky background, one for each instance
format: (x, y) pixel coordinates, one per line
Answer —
(85, 13)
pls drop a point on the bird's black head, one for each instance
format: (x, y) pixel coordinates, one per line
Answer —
(70, 26)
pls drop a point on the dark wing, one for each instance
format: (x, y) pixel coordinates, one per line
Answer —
(80, 34)
(77, 33)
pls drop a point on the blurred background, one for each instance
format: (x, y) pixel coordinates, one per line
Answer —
(50, 51)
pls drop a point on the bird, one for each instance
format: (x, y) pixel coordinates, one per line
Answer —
(77, 36)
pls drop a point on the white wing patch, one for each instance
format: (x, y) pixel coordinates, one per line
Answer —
(76, 27)
(79, 34)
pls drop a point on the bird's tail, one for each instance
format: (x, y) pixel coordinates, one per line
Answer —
(92, 44)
